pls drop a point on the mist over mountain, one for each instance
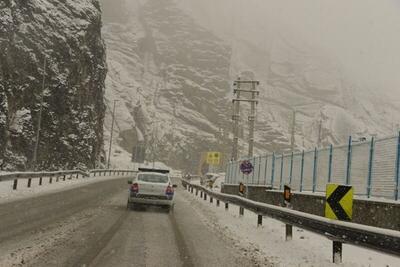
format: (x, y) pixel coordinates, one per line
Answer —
(172, 64)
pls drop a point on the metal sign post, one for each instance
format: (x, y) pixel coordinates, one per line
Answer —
(246, 168)
(339, 206)
(287, 196)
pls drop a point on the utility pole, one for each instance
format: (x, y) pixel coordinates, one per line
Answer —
(40, 117)
(252, 117)
(235, 118)
(111, 135)
(236, 113)
(292, 139)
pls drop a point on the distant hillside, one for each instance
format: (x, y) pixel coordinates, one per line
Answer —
(173, 80)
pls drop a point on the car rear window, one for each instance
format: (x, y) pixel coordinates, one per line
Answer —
(153, 178)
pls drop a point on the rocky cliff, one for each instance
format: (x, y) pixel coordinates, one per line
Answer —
(52, 57)
(170, 77)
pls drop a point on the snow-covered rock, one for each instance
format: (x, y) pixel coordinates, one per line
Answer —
(68, 35)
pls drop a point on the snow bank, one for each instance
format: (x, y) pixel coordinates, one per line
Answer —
(7, 194)
(268, 241)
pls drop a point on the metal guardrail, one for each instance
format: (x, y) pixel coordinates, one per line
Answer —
(31, 175)
(383, 240)
(27, 175)
(15, 176)
(112, 171)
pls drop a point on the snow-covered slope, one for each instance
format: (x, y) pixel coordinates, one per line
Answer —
(170, 78)
(172, 74)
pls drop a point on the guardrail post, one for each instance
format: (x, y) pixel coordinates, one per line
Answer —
(281, 180)
(211, 199)
(370, 166)
(29, 182)
(337, 252)
(40, 180)
(259, 220)
(217, 202)
(205, 196)
(302, 171)
(273, 169)
(197, 192)
(397, 176)
(226, 205)
(315, 169)
(289, 232)
(201, 194)
(241, 211)
(191, 190)
(15, 184)
(348, 173)
(110, 173)
(77, 175)
(330, 163)
(50, 179)
(64, 177)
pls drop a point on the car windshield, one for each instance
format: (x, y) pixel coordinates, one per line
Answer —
(153, 178)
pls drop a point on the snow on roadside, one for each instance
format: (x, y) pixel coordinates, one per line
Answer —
(7, 194)
(306, 248)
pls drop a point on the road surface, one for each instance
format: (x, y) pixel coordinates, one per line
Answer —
(90, 226)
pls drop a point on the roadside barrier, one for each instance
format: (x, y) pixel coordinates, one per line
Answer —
(339, 232)
(59, 175)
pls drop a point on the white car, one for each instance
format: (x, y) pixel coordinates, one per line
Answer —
(151, 187)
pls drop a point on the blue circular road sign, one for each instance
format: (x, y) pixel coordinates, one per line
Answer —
(246, 167)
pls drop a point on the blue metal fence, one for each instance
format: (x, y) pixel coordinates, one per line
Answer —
(371, 167)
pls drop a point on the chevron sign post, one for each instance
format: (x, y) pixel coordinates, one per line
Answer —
(339, 202)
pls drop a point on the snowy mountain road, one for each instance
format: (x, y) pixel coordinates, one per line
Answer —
(90, 226)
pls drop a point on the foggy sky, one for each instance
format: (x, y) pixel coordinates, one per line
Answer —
(360, 36)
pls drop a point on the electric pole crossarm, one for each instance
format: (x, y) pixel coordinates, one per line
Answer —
(246, 91)
(245, 100)
(250, 82)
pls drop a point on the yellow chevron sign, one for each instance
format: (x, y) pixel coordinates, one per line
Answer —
(339, 202)
(213, 158)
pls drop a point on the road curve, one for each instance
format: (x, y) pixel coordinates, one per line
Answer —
(90, 226)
